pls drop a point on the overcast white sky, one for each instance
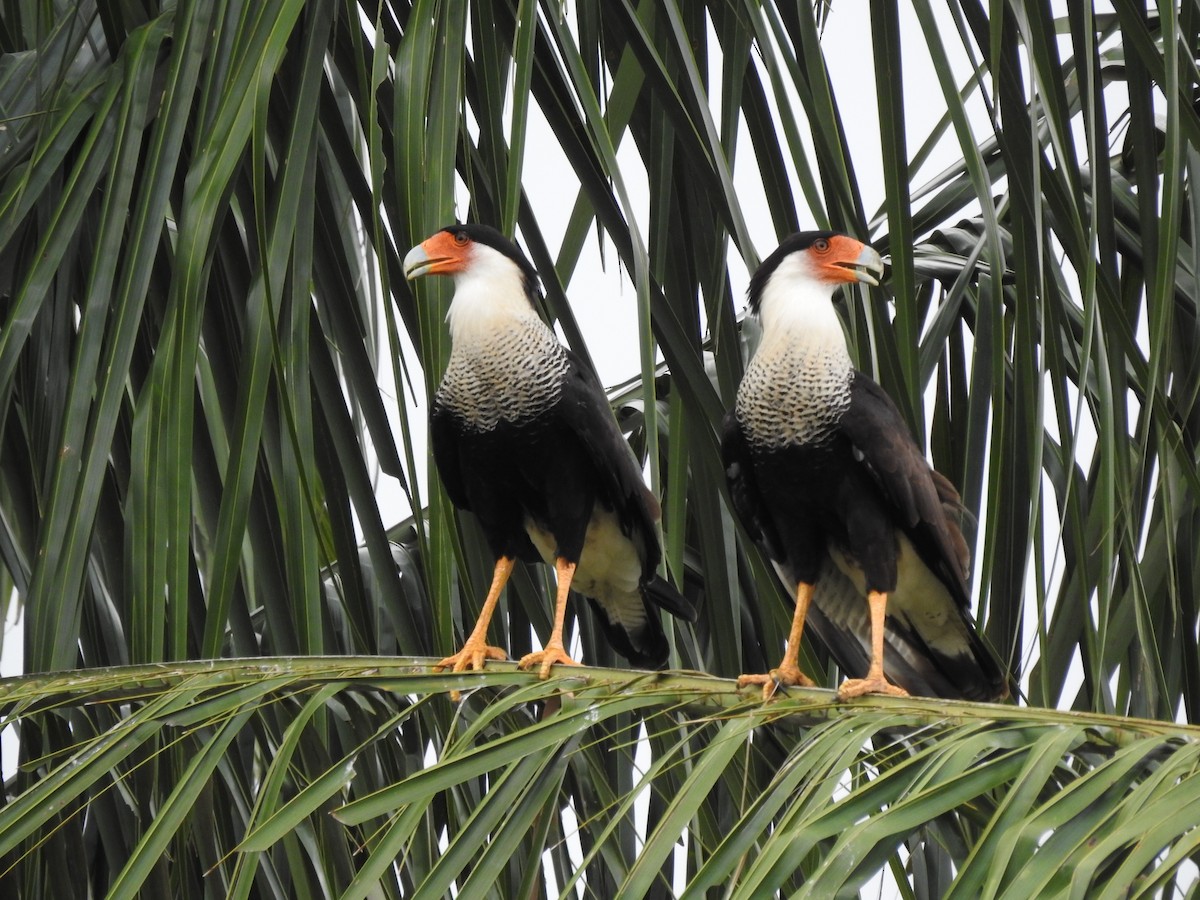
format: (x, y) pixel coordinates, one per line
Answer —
(604, 300)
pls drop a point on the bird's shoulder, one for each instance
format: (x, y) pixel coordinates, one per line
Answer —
(880, 436)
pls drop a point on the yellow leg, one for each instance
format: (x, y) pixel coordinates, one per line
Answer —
(874, 683)
(555, 652)
(788, 673)
(476, 649)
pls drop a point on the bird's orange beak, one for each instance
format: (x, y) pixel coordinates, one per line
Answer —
(843, 259)
(441, 254)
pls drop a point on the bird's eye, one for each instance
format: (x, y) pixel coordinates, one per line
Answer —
(461, 238)
(820, 245)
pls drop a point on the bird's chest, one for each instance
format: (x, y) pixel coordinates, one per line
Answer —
(790, 398)
(509, 379)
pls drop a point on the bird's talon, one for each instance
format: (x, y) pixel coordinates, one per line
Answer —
(872, 684)
(545, 660)
(777, 680)
(472, 656)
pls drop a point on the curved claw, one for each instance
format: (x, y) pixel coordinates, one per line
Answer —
(473, 656)
(545, 659)
(872, 684)
(781, 678)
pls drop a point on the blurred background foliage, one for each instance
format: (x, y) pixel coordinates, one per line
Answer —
(212, 389)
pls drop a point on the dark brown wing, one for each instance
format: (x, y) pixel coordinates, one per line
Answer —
(917, 494)
(584, 409)
(744, 491)
(934, 649)
(443, 438)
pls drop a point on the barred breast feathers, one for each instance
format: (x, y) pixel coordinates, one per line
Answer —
(797, 386)
(512, 378)
(505, 363)
(789, 399)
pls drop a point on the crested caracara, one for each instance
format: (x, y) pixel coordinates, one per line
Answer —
(523, 437)
(830, 484)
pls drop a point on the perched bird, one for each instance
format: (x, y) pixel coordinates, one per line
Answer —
(829, 482)
(523, 437)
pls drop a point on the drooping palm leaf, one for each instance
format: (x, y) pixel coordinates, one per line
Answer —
(211, 370)
(358, 754)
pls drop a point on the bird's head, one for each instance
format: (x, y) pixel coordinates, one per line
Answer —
(468, 252)
(814, 262)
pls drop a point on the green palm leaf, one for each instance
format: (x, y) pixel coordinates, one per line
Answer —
(213, 378)
(805, 792)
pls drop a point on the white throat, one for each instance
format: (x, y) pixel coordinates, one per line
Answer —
(796, 311)
(489, 298)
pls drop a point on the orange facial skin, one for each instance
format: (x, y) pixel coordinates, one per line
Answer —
(444, 253)
(842, 259)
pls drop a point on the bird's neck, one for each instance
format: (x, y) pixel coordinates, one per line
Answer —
(489, 301)
(800, 321)
(505, 364)
(798, 384)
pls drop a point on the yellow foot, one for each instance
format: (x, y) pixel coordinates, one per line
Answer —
(784, 677)
(872, 684)
(472, 656)
(544, 659)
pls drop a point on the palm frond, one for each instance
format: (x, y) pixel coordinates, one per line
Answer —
(213, 374)
(365, 755)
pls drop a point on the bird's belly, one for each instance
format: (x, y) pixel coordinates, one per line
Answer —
(608, 566)
(807, 477)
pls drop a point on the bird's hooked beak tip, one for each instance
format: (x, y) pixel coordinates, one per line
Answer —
(417, 263)
(868, 268)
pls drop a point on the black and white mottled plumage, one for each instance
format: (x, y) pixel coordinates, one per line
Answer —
(523, 437)
(827, 479)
